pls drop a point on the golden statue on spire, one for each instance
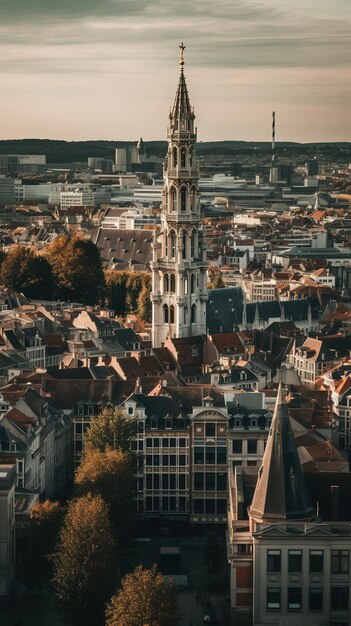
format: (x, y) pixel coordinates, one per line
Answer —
(182, 48)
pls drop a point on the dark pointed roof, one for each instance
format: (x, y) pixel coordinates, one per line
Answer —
(182, 116)
(281, 492)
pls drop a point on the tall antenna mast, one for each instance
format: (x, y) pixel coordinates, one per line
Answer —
(273, 138)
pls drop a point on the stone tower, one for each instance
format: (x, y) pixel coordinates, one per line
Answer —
(179, 291)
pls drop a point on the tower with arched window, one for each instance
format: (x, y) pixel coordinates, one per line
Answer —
(179, 291)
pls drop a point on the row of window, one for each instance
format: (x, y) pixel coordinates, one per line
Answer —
(165, 460)
(339, 598)
(251, 446)
(167, 482)
(210, 507)
(206, 455)
(166, 442)
(169, 314)
(165, 504)
(210, 481)
(169, 283)
(339, 561)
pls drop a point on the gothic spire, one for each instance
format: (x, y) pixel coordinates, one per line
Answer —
(182, 116)
(281, 491)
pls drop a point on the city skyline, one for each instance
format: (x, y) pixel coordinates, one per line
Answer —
(84, 70)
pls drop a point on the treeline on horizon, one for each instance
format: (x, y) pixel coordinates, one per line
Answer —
(58, 151)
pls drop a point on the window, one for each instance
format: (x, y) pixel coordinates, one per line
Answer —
(210, 430)
(222, 506)
(198, 505)
(165, 460)
(221, 482)
(316, 599)
(273, 560)
(90, 410)
(210, 456)
(237, 446)
(165, 314)
(172, 442)
(173, 244)
(175, 157)
(172, 459)
(193, 314)
(294, 598)
(210, 481)
(252, 446)
(130, 410)
(339, 599)
(210, 506)
(183, 200)
(12, 447)
(221, 456)
(198, 455)
(165, 480)
(182, 459)
(172, 199)
(168, 424)
(153, 424)
(79, 428)
(273, 598)
(171, 314)
(316, 560)
(340, 561)
(192, 283)
(80, 410)
(181, 481)
(192, 245)
(295, 561)
(183, 158)
(182, 442)
(172, 283)
(198, 481)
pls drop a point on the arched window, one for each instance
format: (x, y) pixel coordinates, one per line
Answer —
(172, 199)
(166, 244)
(193, 199)
(193, 313)
(192, 283)
(184, 244)
(186, 286)
(172, 283)
(183, 199)
(166, 283)
(165, 313)
(192, 245)
(171, 314)
(183, 158)
(173, 244)
(175, 157)
(185, 313)
(191, 158)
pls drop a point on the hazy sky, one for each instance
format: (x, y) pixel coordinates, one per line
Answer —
(108, 69)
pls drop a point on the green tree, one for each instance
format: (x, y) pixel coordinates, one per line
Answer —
(110, 475)
(77, 268)
(113, 429)
(145, 598)
(84, 562)
(45, 521)
(25, 271)
(116, 290)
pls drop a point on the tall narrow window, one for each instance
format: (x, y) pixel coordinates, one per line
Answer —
(184, 244)
(171, 314)
(172, 283)
(183, 158)
(192, 283)
(165, 313)
(193, 314)
(166, 244)
(172, 199)
(183, 199)
(192, 245)
(175, 157)
(173, 244)
(166, 283)
(193, 199)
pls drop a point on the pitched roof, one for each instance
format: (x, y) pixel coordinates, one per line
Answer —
(281, 491)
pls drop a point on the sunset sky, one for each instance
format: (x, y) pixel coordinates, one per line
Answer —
(108, 69)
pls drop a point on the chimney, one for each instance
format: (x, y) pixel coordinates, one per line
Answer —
(164, 382)
(138, 387)
(334, 489)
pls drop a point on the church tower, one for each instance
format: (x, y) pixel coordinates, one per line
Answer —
(179, 291)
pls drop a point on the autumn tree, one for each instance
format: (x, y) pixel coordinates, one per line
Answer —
(25, 271)
(112, 428)
(110, 475)
(216, 281)
(134, 286)
(145, 305)
(128, 292)
(116, 290)
(144, 598)
(45, 521)
(77, 268)
(85, 562)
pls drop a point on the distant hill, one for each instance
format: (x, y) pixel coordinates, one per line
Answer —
(70, 151)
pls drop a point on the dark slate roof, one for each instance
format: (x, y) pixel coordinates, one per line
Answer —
(127, 339)
(224, 309)
(158, 407)
(120, 248)
(281, 492)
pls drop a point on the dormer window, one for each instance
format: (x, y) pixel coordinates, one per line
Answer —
(168, 424)
(153, 424)
(253, 423)
(80, 409)
(130, 410)
(90, 410)
(237, 423)
(13, 446)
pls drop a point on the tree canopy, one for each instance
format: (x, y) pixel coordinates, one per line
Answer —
(77, 269)
(129, 292)
(112, 428)
(84, 562)
(25, 271)
(145, 598)
(110, 475)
